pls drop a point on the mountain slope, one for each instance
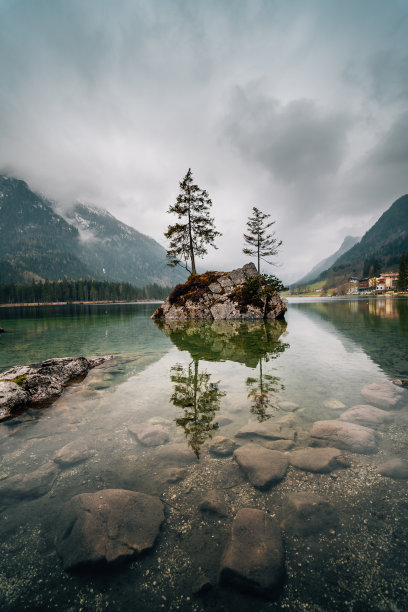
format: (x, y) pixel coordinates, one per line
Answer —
(383, 243)
(120, 252)
(37, 243)
(326, 263)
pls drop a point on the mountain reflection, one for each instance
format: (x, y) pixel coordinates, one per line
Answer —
(374, 324)
(200, 400)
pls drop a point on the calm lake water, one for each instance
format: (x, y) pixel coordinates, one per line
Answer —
(324, 353)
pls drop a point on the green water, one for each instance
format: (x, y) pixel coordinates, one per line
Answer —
(207, 379)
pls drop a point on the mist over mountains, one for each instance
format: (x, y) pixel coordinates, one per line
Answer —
(380, 248)
(37, 243)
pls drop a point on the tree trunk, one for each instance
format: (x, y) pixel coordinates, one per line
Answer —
(193, 268)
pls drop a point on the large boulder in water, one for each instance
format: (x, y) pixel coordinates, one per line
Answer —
(253, 560)
(107, 526)
(240, 295)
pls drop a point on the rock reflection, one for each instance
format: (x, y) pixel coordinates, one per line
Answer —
(200, 400)
(252, 343)
(244, 342)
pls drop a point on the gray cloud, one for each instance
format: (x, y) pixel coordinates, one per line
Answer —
(295, 107)
(294, 142)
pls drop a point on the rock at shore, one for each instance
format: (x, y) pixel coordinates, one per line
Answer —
(25, 386)
(344, 435)
(253, 560)
(262, 466)
(240, 294)
(107, 526)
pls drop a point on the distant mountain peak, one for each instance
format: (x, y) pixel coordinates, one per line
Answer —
(86, 242)
(324, 264)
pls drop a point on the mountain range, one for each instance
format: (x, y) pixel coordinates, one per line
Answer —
(326, 263)
(379, 249)
(38, 243)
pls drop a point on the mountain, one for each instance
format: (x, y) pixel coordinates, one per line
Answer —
(323, 265)
(380, 247)
(38, 243)
(118, 251)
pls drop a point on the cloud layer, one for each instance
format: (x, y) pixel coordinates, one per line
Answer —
(297, 108)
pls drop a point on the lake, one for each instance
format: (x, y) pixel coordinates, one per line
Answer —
(199, 381)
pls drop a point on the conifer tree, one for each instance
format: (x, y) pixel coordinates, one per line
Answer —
(195, 230)
(260, 242)
(402, 283)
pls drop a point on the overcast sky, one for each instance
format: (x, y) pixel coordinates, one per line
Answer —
(297, 107)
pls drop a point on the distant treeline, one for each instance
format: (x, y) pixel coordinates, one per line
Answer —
(79, 291)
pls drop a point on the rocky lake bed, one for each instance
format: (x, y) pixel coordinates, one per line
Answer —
(306, 509)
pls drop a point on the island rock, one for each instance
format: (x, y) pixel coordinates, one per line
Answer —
(240, 294)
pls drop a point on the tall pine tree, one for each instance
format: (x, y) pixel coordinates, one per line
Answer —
(260, 242)
(195, 230)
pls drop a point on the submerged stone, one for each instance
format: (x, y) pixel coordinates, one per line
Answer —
(24, 487)
(320, 460)
(364, 414)
(149, 435)
(262, 466)
(394, 468)
(382, 393)
(221, 446)
(307, 514)
(214, 503)
(271, 431)
(176, 455)
(279, 445)
(253, 560)
(288, 406)
(107, 526)
(72, 453)
(344, 435)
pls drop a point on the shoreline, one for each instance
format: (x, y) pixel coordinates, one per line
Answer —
(31, 304)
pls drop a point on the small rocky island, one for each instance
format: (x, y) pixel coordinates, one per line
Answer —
(241, 294)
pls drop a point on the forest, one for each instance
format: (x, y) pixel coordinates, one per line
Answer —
(79, 291)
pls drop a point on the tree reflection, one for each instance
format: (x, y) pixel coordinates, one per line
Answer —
(261, 390)
(200, 400)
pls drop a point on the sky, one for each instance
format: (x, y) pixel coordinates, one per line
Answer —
(298, 107)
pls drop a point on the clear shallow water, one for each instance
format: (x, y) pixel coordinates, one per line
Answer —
(327, 350)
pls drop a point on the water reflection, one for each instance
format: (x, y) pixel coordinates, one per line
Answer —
(261, 391)
(245, 342)
(379, 326)
(253, 343)
(200, 400)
